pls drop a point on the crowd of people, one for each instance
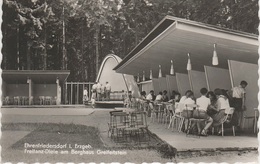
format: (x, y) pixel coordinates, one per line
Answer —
(99, 92)
(210, 106)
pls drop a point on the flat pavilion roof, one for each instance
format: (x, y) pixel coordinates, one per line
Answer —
(37, 76)
(173, 38)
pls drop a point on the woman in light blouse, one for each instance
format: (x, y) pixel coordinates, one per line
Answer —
(221, 104)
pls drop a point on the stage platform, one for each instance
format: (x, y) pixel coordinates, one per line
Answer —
(109, 104)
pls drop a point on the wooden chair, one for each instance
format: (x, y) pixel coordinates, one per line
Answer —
(160, 112)
(25, 100)
(120, 121)
(138, 128)
(167, 113)
(41, 100)
(17, 100)
(154, 111)
(6, 100)
(31, 100)
(54, 101)
(177, 117)
(229, 113)
(111, 123)
(191, 122)
(254, 118)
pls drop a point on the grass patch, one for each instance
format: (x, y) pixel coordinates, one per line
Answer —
(20, 126)
(51, 133)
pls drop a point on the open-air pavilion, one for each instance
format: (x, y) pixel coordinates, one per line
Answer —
(32, 87)
(162, 59)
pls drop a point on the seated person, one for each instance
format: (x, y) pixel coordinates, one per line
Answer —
(164, 96)
(150, 98)
(187, 109)
(203, 102)
(177, 97)
(173, 95)
(180, 107)
(142, 100)
(222, 104)
(158, 98)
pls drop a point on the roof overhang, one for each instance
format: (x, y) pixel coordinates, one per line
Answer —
(173, 38)
(37, 76)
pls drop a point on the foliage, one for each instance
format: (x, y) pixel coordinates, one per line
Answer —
(33, 29)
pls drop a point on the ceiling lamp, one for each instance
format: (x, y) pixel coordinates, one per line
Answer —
(172, 70)
(143, 76)
(189, 63)
(160, 71)
(138, 80)
(151, 74)
(215, 56)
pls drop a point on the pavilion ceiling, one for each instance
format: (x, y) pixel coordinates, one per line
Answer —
(37, 76)
(182, 37)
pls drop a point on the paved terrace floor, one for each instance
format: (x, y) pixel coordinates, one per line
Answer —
(99, 117)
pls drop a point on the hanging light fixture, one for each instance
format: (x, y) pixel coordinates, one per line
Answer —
(143, 76)
(160, 71)
(138, 80)
(172, 70)
(189, 63)
(151, 74)
(215, 56)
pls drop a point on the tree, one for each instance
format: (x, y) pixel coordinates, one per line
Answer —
(77, 34)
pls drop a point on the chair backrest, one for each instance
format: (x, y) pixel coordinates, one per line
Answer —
(138, 118)
(41, 97)
(118, 118)
(176, 105)
(229, 111)
(181, 106)
(112, 112)
(190, 106)
(170, 107)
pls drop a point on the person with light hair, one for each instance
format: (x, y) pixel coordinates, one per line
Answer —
(107, 90)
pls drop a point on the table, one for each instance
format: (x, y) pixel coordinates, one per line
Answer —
(17, 100)
(42, 100)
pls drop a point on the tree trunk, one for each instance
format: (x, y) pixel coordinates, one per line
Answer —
(28, 56)
(64, 56)
(82, 51)
(44, 50)
(97, 48)
(4, 42)
(18, 47)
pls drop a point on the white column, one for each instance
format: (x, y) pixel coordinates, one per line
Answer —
(58, 92)
(29, 81)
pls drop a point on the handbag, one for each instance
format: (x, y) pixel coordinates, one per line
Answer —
(211, 111)
(196, 113)
(187, 113)
(199, 114)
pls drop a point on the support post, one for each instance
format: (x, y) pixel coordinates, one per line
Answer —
(29, 81)
(58, 96)
(71, 90)
(66, 92)
(77, 93)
